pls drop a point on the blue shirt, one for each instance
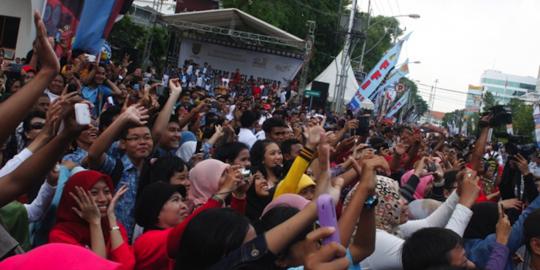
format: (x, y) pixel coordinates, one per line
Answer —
(125, 207)
(76, 156)
(479, 250)
(93, 95)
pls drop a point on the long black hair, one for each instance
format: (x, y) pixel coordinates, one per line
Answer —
(210, 236)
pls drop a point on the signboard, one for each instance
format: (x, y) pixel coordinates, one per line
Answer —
(312, 93)
(400, 88)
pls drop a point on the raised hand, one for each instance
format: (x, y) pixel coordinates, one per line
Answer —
(112, 205)
(503, 228)
(47, 57)
(88, 209)
(327, 257)
(468, 188)
(512, 203)
(377, 163)
(175, 86)
(233, 179)
(521, 164)
(136, 114)
(313, 136)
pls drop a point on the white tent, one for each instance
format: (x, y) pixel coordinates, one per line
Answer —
(329, 76)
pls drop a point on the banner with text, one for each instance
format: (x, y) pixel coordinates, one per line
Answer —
(536, 116)
(377, 74)
(250, 63)
(398, 105)
(393, 77)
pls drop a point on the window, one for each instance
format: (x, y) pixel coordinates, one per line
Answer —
(9, 30)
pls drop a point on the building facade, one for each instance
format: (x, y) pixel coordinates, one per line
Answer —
(17, 31)
(473, 103)
(504, 86)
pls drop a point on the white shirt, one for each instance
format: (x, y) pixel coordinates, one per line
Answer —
(52, 96)
(246, 136)
(41, 203)
(387, 254)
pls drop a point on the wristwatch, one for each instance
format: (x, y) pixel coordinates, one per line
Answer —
(371, 202)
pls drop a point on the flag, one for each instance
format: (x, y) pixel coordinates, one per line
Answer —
(393, 77)
(61, 18)
(377, 74)
(96, 22)
(398, 105)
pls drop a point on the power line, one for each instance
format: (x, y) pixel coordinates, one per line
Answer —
(446, 89)
(390, 7)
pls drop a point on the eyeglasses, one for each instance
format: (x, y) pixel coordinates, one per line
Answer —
(139, 138)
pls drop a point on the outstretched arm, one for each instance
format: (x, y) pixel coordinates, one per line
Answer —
(17, 106)
(135, 114)
(163, 118)
(38, 166)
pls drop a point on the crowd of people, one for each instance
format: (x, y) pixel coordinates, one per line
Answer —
(186, 174)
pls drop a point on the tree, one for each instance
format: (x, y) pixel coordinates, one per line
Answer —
(421, 106)
(522, 118)
(127, 36)
(488, 101)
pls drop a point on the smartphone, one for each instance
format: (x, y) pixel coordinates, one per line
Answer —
(72, 88)
(82, 114)
(327, 217)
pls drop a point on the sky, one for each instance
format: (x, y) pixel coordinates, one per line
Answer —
(456, 40)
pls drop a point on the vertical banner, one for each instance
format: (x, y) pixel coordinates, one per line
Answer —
(398, 105)
(393, 77)
(61, 18)
(377, 74)
(536, 116)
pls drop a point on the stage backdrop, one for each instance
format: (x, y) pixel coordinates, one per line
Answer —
(256, 64)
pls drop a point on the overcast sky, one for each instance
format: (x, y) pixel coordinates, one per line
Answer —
(456, 40)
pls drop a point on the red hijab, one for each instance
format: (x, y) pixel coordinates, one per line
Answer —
(66, 219)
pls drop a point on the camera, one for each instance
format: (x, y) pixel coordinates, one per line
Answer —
(245, 174)
(500, 116)
(431, 167)
(517, 145)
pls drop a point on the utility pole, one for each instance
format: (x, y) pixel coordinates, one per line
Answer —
(308, 47)
(365, 38)
(342, 77)
(432, 99)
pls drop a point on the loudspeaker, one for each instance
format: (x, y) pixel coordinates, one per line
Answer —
(321, 87)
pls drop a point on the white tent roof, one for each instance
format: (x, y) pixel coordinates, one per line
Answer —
(235, 19)
(329, 76)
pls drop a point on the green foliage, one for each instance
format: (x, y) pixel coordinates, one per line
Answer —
(419, 103)
(488, 101)
(292, 15)
(127, 34)
(522, 118)
(381, 34)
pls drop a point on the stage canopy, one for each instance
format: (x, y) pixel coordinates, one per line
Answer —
(230, 39)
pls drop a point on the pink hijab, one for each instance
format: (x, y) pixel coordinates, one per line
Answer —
(205, 180)
(58, 257)
(422, 185)
(289, 199)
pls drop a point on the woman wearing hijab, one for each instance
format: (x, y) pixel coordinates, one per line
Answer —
(85, 217)
(206, 178)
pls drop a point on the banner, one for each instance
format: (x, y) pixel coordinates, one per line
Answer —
(61, 18)
(377, 74)
(398, 105)
(96, 21)
(250, 63)
(536, 116)
(393, 77)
